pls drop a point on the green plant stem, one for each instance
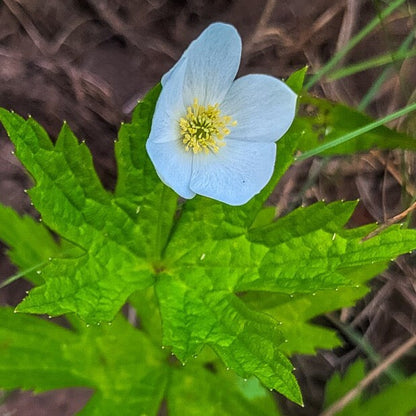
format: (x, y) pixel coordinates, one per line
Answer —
(353, 42)
(358, 132)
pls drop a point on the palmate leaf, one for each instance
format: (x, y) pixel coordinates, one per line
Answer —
(121, 235)
(194, 390)
(296, 311)
(129, 374)
(200, 263)
(306, 251)
(127, 369)
(124, 368)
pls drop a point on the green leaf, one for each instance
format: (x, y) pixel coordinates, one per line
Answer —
(147, 308)
(338, 386)
(305, 252)
(139, 191)
(395, 400)
(246, 341)
(121, 237)
(199, 259)
(326, 253)
(32, 356)
(106, 351)
(129, 375)
(31, 245)
(295, 311)
(117, 361)
(296, 80)
(199, 389)
(325, 122)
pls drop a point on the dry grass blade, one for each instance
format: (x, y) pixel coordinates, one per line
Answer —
(28, 25)
(371, 376)
(391, 221)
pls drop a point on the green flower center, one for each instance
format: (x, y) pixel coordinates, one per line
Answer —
(204, 128)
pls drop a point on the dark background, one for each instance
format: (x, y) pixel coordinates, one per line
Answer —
(89, 61)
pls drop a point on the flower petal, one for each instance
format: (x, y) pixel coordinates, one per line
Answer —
(173, 165)
(169, 108)
(212, 62)
(236, 173)
(263, 107)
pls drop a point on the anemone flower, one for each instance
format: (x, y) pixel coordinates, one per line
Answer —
(213, 135)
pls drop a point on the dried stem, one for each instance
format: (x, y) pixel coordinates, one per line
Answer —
(371, 376)
(390, 221)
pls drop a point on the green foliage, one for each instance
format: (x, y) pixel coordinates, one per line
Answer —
(395, 400)
(31, 243)
(295, 81)
(128, 374)
(126, 367)
(195, 388)
(294, 311)
(119, 237)
(117, 361)
(323, 122)
(199, 274)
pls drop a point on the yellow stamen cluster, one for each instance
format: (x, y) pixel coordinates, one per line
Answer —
(203, 128)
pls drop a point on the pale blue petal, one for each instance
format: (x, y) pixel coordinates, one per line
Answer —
(263, 107)
(168, 74)
(169, 109)
(236, 173)
(173, 165)
(212, 62)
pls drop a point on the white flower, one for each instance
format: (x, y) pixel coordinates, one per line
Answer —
(214, 136)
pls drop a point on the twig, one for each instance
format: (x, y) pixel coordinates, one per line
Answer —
(113, 20)
(410, 189)
(374, 303)
(348, 24)
(65, 34)
(264, 31)
(363, 345)
(324, 19)
(46, 48)
(28, 25)
(265, 16)
(337, 90)
(371, 376)
(390, 221)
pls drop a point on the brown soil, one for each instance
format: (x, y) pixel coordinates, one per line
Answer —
(89, 61)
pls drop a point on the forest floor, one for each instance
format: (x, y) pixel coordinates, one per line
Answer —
(88, 62)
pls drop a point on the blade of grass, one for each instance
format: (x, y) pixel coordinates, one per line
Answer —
(394, 373)
(336, 407)
(385, 59)
(4, 395)
(358, 132)
(22, 273)
(354, 41)
(374, 88)
(380, 80)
